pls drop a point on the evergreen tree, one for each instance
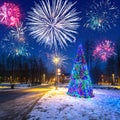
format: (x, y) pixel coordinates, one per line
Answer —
(80, 82)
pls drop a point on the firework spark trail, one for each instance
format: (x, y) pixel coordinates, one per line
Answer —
(53, 24)
(104, 50)
(9, 14)
(102, 15)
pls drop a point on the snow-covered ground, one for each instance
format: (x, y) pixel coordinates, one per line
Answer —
(57, 105)
(7, 86)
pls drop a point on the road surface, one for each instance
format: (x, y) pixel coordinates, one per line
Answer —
(15, 105)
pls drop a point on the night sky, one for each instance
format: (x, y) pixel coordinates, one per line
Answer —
(83, 33)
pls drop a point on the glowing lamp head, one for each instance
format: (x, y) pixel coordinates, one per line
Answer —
(58, 71)
(56, 60)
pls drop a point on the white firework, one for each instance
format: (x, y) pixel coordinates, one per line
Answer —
(18, 32)
(53, 24)
(102, 15)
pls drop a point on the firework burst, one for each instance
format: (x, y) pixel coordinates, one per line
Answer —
(11, 47)
(9, 14)
(102, 15)
(18, 32)
(104, 50)
(21, 50)
(53, 24)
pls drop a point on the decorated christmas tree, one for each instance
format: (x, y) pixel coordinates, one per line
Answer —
(80, 81)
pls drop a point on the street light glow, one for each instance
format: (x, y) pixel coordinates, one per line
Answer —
(56, 60)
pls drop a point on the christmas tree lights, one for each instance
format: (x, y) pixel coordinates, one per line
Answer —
(80, 81)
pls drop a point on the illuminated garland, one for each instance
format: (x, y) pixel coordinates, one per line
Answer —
(80, 82)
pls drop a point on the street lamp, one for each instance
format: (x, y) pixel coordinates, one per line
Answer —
(43, 80)
(56, 61)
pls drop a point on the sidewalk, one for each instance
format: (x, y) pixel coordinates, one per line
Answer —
(18, 87)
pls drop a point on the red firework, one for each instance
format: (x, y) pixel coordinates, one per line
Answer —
(10, 14)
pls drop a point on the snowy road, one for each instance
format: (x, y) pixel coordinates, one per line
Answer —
(14, 105)
(57, 105)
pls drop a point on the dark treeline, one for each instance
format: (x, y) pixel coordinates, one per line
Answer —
(32, 70)
(22, 69)
(103, 71)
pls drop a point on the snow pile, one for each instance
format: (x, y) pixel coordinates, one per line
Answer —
(57, 105)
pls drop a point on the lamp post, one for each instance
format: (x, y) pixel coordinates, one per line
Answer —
(43, 80)
(113, 78)
(56, 60)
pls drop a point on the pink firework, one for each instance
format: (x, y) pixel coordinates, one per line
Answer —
(104, 50)
(9, 14)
